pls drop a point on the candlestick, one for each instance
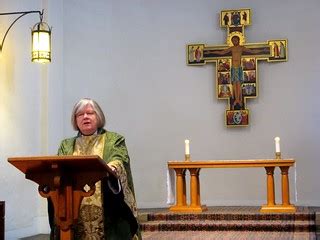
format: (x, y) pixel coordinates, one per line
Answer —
(187, 147)
(277, 143)
(186, 150)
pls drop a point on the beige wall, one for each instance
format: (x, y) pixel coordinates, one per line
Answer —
(130, 56)
(30, 112)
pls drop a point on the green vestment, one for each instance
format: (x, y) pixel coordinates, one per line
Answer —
(119, 210)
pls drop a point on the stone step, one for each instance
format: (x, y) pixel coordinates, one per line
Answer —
(227, 225)
(225, 216)
(228, 235)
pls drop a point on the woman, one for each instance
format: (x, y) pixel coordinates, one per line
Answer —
(111, 213)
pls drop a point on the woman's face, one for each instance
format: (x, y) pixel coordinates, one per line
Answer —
(87, 121)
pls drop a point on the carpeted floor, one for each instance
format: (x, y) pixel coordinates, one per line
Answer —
(227, 235)
(229, 223)
(37, 237)
(224, 223)
(222, 235)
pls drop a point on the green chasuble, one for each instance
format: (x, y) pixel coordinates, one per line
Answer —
(109, 214)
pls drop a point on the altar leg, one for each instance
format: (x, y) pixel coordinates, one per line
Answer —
(181, 187)
(270, 186)
(270, 191)
(285, 186)
(181, 200)
(285, 190)
(195, 203)
(194, 187)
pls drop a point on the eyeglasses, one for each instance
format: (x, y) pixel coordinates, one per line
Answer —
(82, 114)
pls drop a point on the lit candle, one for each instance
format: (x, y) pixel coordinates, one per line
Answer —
(187, 148)
(277, 142)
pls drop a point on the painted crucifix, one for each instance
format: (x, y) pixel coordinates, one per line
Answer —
(237, 63)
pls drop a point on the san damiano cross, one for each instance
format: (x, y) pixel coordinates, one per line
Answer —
(237, 63)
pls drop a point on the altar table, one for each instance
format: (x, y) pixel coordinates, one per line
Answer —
(195, 166)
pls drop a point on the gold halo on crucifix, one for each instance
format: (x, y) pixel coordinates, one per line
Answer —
(239, 34)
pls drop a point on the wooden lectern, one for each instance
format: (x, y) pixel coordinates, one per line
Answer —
(62, 179)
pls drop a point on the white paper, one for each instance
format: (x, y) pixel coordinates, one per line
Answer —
(171, 193)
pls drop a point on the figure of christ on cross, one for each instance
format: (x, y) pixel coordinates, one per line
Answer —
(236, 69)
